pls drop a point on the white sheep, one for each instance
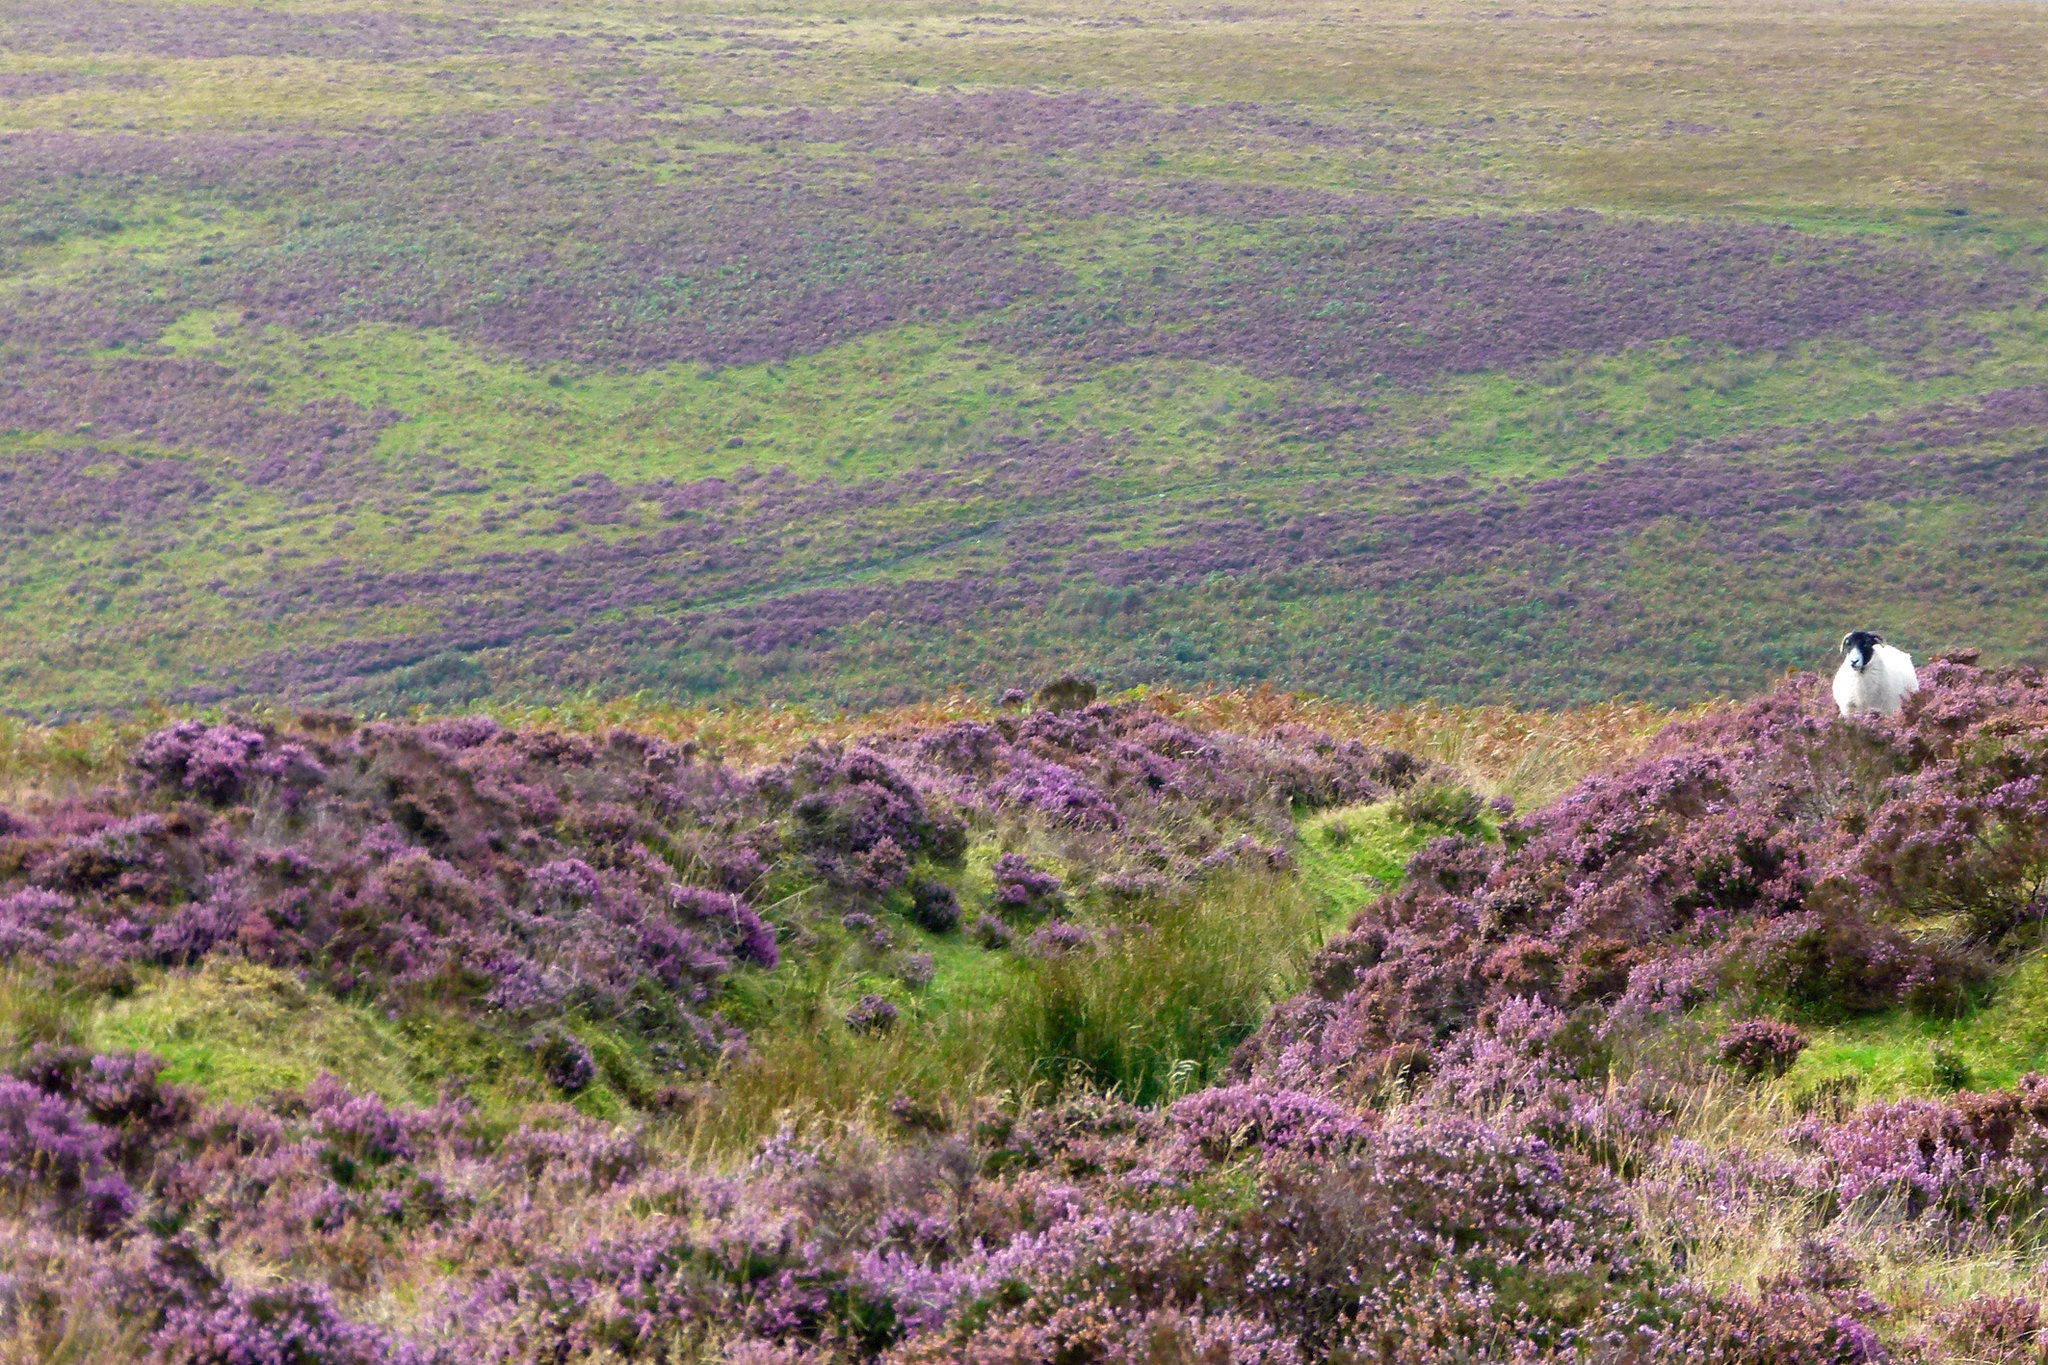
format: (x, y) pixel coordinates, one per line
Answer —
(1874, 676)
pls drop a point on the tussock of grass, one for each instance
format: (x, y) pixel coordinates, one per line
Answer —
(1157, 1011)
(1152, 1013)
(1350, 856)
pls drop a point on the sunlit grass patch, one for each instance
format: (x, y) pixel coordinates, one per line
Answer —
(237, 1031)
(1350, 856)
(1909, 1054)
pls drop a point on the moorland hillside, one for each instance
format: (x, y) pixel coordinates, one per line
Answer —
(844, 353)
(1095, 1030)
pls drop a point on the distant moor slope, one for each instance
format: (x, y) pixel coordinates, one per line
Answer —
(390, 355)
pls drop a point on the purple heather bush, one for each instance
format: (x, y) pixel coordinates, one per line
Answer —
(1023, 889)
(934, 906)
(871, 1014)
(1757, 1047)
(563, 1057)
(1227, 1119)
(1059, 939)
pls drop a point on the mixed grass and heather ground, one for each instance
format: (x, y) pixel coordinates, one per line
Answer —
(474, 353)
(1130, 1029)
(530, 538)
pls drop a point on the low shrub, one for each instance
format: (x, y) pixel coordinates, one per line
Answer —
(1442, 805)
(934, 906)
(1758, 1047)
(871, 1014)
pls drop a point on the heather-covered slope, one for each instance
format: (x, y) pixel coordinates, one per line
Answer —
(1555, 1096)
(845, 353)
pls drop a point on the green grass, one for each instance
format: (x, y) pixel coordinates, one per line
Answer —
(240, 1032)
(1351, 856)
(1150, 1014)
(235, 1032)
(1903, 1054)
(1156, 1011)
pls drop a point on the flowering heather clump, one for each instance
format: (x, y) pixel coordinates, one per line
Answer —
(1229, 1119)
(1757, 1047)
(564, 1058)
(1022, 888)
(859, 820)
(210, 760)
(1770, 848)
(50, 1150)
(1059, 939)
(289, 1325)
(871, 1014)
(934, 906)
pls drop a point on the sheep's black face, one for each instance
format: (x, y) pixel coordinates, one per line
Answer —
(1859, 645)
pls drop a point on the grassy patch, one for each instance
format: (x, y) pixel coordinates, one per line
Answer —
(1156, 1009)
(1904, 1054)
(1351, 856)
(1150, 1012)
(238, 1032)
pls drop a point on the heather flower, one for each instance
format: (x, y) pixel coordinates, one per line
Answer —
(1757, 1046)
(1059, 939)
(194, 931)
(48, 1147)
(871, 1014)
(990, 932)
(881, 867)
(934, 906)
(26, 917)
(1056, 791)
(1228, 1119)
(288, 1324)
(567, 881)
(212, 761)
(965, 746)
(563, 1058)
(736, 923)
(1022, 888)
(915, 970)
(461, 732)
(294, 769)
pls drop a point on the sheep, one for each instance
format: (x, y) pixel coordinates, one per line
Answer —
(1874, 676)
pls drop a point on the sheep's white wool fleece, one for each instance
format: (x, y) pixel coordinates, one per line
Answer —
(1882, 686)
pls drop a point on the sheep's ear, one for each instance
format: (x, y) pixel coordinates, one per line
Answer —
(1875, 638)
(1845, 643)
